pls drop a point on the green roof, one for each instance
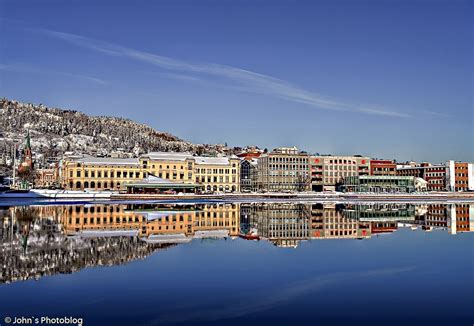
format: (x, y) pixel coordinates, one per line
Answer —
(155, 182)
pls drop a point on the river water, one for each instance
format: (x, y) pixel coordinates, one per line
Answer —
(231, 263)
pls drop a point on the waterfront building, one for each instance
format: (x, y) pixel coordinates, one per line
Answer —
(327, 171)
(283, 169)
(459, 176)
(248, 175)
(218, 173)
(383, 167)
(451, 176)
(98, 173)
(381, 184)
(47, 177)
(211, 173)
(169, 165)
(435, 175)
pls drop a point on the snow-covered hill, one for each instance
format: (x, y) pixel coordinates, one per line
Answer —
(55, 131)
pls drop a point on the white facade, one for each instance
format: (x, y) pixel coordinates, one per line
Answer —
(450, 176)
(470, 172)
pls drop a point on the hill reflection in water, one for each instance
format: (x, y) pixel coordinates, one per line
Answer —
(47, 240)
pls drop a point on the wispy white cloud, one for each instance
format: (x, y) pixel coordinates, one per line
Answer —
(237, 78)
(238, 306)
(437, 114)
(31, 70)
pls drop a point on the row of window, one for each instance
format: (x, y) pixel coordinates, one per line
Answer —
(288, 159)
(105, 174)
(94, 185)
(288, 167)
(103, 220)
(215, 171)
(339, 174)
(287, 173)
(221, 188)
(145, 165)
(435, 174)
(215, 179)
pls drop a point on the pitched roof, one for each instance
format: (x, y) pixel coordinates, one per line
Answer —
(212, 160)
(106, 160)
(168, 156)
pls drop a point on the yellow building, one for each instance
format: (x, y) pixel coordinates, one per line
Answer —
(218, 173)
(170, 166)
(213, 173)
(100, 173)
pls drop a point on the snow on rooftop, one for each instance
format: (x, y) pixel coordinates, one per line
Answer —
(212, 160)
(107, 233)
(168, 156)
(106, 160)
(216, 234)
(166, 238)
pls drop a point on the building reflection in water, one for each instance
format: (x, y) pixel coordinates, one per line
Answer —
(46, 240)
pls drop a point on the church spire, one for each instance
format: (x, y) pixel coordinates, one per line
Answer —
(27, 140)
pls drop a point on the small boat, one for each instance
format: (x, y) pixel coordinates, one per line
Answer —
(16, 193)
(54, 194)
(84, 194)
(252, 234)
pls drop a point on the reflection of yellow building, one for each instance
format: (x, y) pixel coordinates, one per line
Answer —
(101, 217)
(213, 173)
(158, 220)
(216, 217)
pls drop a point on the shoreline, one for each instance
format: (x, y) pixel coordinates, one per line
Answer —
(117, 198)
(303, 196)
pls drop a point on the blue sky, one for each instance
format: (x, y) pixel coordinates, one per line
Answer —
(389, 79)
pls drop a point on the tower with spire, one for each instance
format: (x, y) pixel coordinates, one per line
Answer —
(27, 159)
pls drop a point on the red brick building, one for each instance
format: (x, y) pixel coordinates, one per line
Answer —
(434, 175)
(383, 167)
(460, 176)
(46, 178)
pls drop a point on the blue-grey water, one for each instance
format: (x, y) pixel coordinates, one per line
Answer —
(227, 264)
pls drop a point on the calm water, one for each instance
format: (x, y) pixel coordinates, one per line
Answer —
(227, 264)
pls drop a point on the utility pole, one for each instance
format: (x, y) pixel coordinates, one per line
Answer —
(14, 165)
